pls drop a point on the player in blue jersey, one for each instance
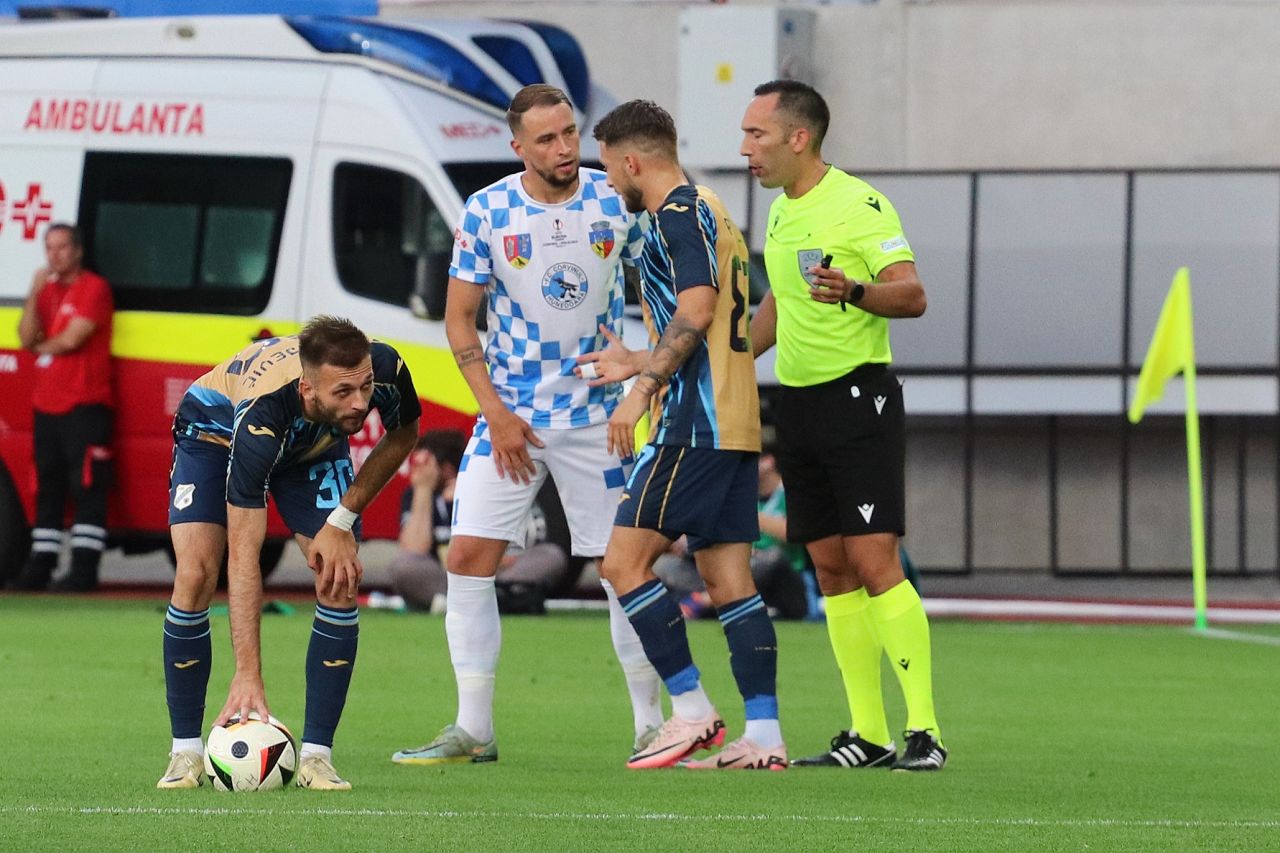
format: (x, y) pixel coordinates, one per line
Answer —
(698, 474)
(544, 250)
(275, 419)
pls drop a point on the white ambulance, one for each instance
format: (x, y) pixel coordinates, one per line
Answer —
(234, 176)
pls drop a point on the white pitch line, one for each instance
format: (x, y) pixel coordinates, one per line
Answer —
(1238, 636)
(1111, 611)
(1087, 823)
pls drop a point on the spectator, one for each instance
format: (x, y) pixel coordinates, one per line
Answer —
(66, 323)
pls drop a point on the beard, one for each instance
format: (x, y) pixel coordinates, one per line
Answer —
(554, 180)
(347, 425)
(632, 198)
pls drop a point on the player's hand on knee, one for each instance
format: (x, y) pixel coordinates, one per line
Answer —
(246, 694)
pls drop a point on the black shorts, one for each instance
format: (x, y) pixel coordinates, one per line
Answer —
(709, 495)
(842, 455)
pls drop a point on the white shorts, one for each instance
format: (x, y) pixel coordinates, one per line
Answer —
(588, 479)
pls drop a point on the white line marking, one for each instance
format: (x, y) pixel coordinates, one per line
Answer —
(1032, 609)
(655, 817)
(1238, 636)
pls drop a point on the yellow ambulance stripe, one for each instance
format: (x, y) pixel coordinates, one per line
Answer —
(206, 339)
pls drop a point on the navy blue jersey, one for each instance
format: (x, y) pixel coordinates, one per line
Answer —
(712, 400)
(251, 403)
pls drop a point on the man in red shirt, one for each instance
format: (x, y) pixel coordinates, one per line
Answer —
(66, 323)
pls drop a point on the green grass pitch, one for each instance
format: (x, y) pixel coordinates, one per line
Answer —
(1062, 738)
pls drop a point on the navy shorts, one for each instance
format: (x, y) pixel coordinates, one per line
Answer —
(706, 494)
(304, 494)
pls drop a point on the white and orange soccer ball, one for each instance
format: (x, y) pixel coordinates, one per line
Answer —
(251, 755)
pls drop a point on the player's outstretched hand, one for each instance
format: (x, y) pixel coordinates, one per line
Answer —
(246, 694)
(622, 425)
(335, 559)
(615, 363)
(828, 285)
(511, 437)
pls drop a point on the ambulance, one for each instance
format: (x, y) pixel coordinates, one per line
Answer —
(235, 176)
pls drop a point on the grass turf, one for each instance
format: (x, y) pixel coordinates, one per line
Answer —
(1062, 737)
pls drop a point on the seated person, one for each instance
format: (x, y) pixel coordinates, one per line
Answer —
(528, 571)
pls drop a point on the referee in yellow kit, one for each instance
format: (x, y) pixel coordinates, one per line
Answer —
(840, 267)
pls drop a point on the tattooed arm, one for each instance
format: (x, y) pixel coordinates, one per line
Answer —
(695, 308)
(509, 434)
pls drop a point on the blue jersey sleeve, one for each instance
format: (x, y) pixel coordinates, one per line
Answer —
(690, 238)
(257, 443)
(393, 393)
(472, 260)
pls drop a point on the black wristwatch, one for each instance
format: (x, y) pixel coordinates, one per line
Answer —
(855, 294)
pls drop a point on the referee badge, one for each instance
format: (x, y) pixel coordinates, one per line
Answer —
(808, 258)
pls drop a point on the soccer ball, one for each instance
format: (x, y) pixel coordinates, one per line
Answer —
(250, 755)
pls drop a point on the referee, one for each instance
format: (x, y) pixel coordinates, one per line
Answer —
(840, 267)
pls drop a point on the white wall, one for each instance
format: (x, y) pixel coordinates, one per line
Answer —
(958, 85)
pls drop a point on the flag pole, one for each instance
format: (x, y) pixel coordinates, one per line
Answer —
(1195, 481)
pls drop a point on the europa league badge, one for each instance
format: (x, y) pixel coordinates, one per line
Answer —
(808, 258)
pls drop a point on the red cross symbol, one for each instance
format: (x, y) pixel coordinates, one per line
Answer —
(3, 208)
(32, 211)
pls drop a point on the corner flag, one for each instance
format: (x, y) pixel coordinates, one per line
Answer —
(1173, 351)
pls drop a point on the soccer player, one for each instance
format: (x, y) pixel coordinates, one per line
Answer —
(697, 476)
(545, 248)
(840, 424)
(275, 418)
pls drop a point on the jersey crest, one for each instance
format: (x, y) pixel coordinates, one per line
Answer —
(518, 248)
(564, 286)
(601, 236)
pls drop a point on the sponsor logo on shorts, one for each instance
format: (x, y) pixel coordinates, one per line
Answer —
(880, 404)
(867, 510)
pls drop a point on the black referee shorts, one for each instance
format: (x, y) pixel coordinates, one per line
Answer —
(842, 455)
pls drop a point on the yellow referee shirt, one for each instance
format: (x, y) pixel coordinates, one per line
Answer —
(846, 218)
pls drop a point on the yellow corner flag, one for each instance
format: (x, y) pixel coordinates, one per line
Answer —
(1172, 347)
(1173, 351)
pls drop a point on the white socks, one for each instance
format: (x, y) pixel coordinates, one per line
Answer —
(764, 733)
(309, 749)
(188, 744)
(642, 679)
(692, 705)
(475, 636)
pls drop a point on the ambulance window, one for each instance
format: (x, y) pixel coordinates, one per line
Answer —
(185, 233)
(390, 243)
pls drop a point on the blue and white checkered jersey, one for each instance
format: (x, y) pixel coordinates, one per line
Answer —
(554, 276)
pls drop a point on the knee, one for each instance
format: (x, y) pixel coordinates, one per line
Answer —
(195, 580)
(474, 558)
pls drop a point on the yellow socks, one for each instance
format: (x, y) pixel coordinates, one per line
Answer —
(857, 649)
(900, 622)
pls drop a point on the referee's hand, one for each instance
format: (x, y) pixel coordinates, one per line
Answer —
(828, 284)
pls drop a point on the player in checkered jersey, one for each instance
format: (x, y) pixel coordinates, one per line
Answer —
(547, 251)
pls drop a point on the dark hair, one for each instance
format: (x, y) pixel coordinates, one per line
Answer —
(331, 340)
(802, 104)
(73, 231)
(534, 95)
(446, 445)
(641, 122)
